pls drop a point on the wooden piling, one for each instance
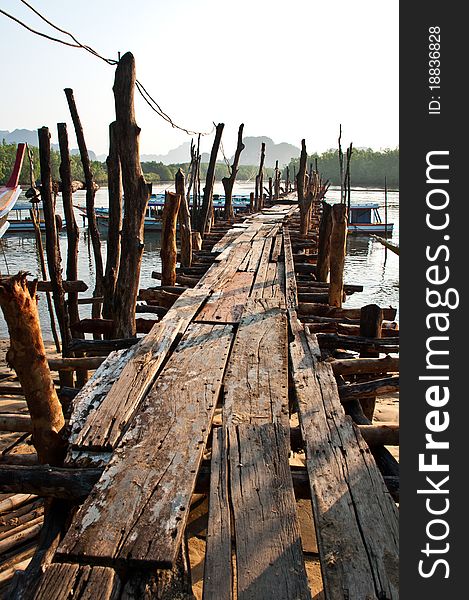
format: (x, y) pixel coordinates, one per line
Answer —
(371, 320)
(168, 238)
(337, 254)
(136, 194)
(27, 356)
(261, 178)
(114, 177)
(90, 194)
(184, 217)
(54, 261)
(205, 221)
(324, 243)
(228, 182)
(40, 249)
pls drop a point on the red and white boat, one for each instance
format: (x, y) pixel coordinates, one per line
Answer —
(10, 192)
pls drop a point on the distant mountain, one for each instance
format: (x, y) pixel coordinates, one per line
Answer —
(282, 152)
(28, 136)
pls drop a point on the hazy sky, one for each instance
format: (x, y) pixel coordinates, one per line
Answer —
(287, 69)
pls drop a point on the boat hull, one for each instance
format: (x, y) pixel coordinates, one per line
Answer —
(371, 228)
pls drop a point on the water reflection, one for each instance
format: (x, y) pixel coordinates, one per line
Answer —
(366, 264)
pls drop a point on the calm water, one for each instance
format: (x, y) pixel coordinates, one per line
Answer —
(366, 262)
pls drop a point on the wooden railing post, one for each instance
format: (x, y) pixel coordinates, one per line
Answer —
(228, 182)
(337, 254)
(114, 177)
(136, 194)
(185, 233)
(168, 238)
(324, 243)
(371, 320)
(205, 221)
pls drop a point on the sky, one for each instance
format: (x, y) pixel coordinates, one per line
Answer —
(286, 69)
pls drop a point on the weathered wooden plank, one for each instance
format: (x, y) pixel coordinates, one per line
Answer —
(136, 513)
(226, 305)
(63, 581)
(259, 281)
(251, 262)
(217, 570)
(290, 278)
(274, 284)
(356, 520)
(226, 240)
(269, 557)
(277, 248)
(256, 382)
(103, 429)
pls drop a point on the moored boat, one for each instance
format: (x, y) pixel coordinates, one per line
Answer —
(365, 218)
(10, 192)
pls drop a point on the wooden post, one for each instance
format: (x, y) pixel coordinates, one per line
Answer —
(54, 261)
(337, 254)
(276, 182)
(371, 320)
(196, 241)
(27, 356)
(207, 203)
(261, 178)
(90, 194)
(228, 182)
(114, 177)
(37, 234)
(251, 202)
(70, 222)
(168, 238)
(301, 183)
(271, 193)
(324, 243)
(184, 217)
(287, 183)
(136, 196)
(72, 239)
(256, 194)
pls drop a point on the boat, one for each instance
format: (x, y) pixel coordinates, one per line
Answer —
(10, 192)
(365, 218)
(153, 216)
(20, 218)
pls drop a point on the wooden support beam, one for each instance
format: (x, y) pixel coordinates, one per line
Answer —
(68, 286)
(324, 242)
(347, 367)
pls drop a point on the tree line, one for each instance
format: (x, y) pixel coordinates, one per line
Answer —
(368, 168)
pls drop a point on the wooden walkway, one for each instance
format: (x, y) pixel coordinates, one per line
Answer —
(233, 342)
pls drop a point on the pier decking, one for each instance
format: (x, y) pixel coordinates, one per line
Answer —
(232, 344)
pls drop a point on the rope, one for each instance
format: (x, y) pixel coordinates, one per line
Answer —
(152, 103)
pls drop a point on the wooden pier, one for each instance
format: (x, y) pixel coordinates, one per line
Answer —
(142, 441)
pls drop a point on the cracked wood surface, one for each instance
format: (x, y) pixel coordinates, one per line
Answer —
(217, 569)
(137, 511)
(62, 581)
(227, 304)
(269, 555)
(356, 519)
(256, 381)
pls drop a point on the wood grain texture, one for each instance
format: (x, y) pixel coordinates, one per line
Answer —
(136, 513)
(356, 520)
(261, 274)
(126, 387)
(64, 581)
(256, 382)
(217, 570)
(226, 305)
(269, 555)
(291, 292)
